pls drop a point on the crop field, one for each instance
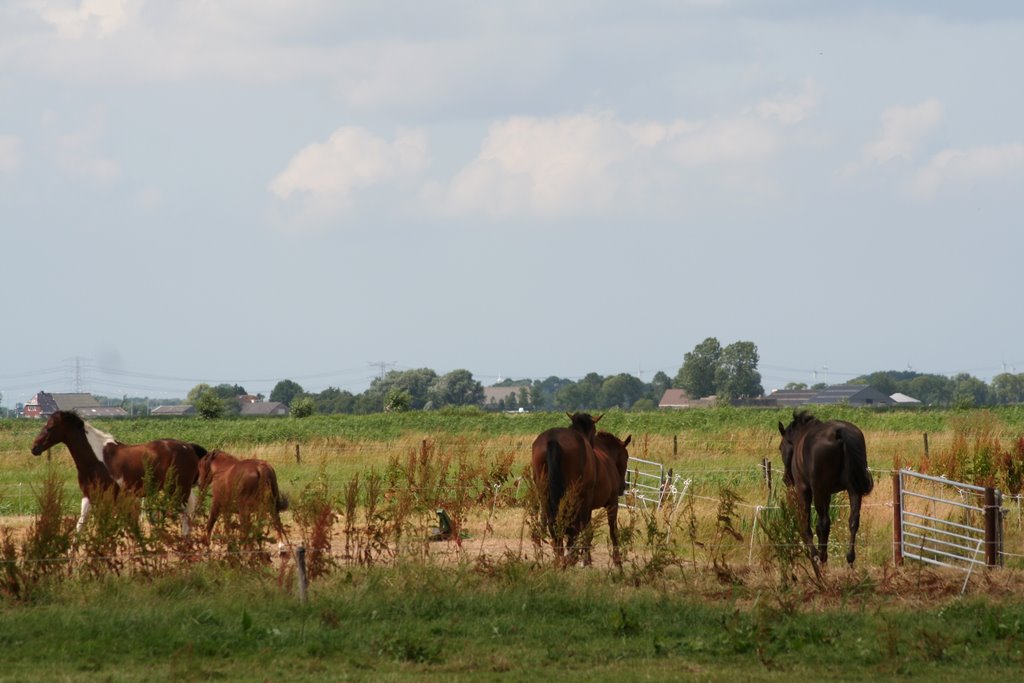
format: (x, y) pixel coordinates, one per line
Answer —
(714, 584)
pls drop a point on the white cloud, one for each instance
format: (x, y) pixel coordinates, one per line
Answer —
(326, 174)
(88, 18)
(589, 163)
(77, 152)
(10, 153)
(903, 130)
(959, 167)
(791, 109)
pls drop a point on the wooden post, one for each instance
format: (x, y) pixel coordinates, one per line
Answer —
(766, 465)
(926, 444)
(897, 519)
(675, 444)
(298, 454)
(300, 562)
(991, 528)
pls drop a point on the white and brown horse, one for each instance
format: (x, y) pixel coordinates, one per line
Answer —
(241, 486)
(104, 463)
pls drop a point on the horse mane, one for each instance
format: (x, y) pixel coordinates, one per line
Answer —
(804, 418)
(77, 422)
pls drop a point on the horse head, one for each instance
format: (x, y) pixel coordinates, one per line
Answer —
(585, 424)
(790, 435)
(616, 449)
(55, 430)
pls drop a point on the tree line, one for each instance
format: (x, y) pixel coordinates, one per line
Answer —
(727, 373)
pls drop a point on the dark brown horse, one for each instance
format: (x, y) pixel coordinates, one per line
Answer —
(103, 462)
(587, 470)
(242, 486)
(822, 458)
(563, 462)
(610, 482)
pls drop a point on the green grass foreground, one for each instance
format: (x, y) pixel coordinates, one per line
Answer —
(512, 621)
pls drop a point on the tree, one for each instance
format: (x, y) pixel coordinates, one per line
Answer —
(303, 406)
(697, 375)
(582, 395)
(969, 391)
(195, 392)
(620, 391)
(285, 392)
(332, 400)
(795, 386)
(934, 390)
(209, 405)
(736, 375)
(1008, 388)
(659, 383)
(397, 401)
(416, 383)
(457, 388)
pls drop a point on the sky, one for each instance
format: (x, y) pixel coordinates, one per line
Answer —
(246, 191)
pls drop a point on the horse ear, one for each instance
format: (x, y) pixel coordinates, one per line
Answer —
(782, 430)
(598, 418)
(568, 415)
(628, 439)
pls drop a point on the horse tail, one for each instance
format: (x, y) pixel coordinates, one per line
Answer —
(556, 482)
(858, 476)
(280, 499)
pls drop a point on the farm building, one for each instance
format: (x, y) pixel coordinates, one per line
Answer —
(851, 394)
(264, 409)
(792, 397)
(45, 404)
(678, 398)
(182, 410)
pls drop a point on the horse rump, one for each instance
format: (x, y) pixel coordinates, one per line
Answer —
(858, 476)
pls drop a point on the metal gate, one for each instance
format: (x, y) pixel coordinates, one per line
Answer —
(946, 523)
(648, 486)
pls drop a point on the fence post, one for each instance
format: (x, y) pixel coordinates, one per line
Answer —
(897, 519)
(991, 528)
(766, 464)
(298, 454)
(926, 444)
(675, 444)
(300, 563)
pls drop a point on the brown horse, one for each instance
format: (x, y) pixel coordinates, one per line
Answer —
(103, 462)
(610, 482)
(822, 458)
(563, 461)
(242, 486)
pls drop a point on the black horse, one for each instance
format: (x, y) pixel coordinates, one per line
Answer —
(822, 458)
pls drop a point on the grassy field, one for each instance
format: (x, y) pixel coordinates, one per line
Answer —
(699, 594)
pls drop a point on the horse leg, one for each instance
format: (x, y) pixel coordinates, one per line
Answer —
(821, 504)
(86, 505)
(851, 553)
(804, 501)
(214, 512)
(187, 509)
(613, 531)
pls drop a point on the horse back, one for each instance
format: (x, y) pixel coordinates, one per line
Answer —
(128, 464)
(824, 454)
(577, 458)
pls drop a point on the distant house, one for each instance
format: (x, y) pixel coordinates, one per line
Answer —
(264, 409)
(495, 395)
(183, 410)
(44, 404)
(851, 394)
(678, 398)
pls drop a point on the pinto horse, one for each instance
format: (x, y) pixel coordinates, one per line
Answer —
(104, 463)
(243, 486)
(822, 458)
